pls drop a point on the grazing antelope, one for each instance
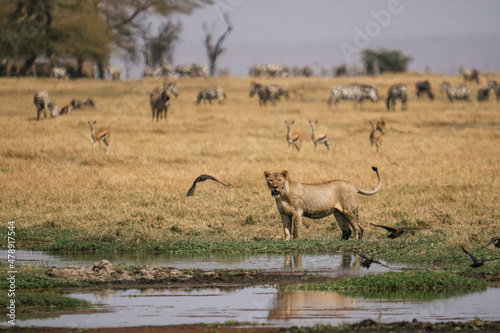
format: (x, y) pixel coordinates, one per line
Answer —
(321, 137)
(102, 134)
(293, 138)
(381, 125)
(375, 136)
(67, 109)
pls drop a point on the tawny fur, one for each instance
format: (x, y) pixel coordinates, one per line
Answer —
(381, 125)
(296, 200)
(320, 137)
(375, 136)
(102, 134)
(293, 138)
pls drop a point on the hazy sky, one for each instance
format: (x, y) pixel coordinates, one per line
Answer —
(441, 35)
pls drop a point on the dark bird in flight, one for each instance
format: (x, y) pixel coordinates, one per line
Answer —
(495, 240)
(395, 232)
(476, 262)
(367, 260)
(202, 178)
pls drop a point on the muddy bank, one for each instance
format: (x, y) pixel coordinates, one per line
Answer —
(363, 326)
(105, 272)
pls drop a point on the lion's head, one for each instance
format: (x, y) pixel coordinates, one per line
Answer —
(276, 182)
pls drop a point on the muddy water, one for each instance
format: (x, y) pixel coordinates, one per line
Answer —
(270, 306)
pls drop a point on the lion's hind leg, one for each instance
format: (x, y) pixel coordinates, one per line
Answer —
(353, 219)
(343, 224)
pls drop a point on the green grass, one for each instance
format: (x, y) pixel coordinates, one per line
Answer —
(394, 281)
(26, 301)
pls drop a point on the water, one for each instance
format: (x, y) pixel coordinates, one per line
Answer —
(346, 264)
(258, 304)
(268, 305)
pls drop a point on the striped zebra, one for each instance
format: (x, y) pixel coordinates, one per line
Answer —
(493, 85)
(208, 94)
(424, 87)
(59, 73)
(483, 94)
(398, 91)
(353, 92)
(43, 103)
(460, 92)
(159, 99)
(78, 103)
(114, 73)
(270, 92)
(192, 70)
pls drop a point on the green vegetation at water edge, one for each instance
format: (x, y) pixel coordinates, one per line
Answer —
(413, 280)
(28, 300)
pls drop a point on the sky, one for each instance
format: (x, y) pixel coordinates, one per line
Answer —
(440, 36)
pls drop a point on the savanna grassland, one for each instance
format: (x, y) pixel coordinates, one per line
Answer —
(439, 163)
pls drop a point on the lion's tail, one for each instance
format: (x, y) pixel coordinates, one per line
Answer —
(365, 192)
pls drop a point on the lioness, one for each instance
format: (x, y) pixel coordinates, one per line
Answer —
(295, 199)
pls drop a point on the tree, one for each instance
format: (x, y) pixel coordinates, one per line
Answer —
(214, 51)
(81, 29)
(125, 19)
(159, 49)
(24, 26)
(376, 62)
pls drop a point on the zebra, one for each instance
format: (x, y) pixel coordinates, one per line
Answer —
(192, 70)
(208, 94)
(471, 75)
(114, 73)
(353, 92)
(460, 92)
(424, 87)
(270, 92)
(159, 99)
(58, 73)
(493, 85)
(43, 102)
(483, 94)
(397, 91)
(78, 103)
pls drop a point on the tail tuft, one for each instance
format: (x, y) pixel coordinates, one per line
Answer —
(374, 168)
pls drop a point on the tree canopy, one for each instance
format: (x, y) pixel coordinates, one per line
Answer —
(78, 29)
(381, 61)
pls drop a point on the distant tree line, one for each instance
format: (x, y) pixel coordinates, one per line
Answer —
(84, 30)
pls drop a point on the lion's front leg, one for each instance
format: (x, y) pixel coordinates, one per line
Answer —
(297, 228)
(287, 225)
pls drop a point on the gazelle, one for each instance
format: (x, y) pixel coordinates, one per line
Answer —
(103, 134)
(381, 125)
(293, 138)
(321, 137)
(375, 136)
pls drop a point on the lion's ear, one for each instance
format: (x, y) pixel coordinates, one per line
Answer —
(285, 173)
(267, 174)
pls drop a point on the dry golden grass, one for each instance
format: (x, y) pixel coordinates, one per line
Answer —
(439, 163)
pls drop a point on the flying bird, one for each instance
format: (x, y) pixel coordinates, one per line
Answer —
(495, 240)
(367, 260)
(476, 262)
(395, 232)
(202, 178)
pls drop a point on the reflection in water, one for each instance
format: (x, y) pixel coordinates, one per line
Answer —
(331, 264)
(170, 306)
(291, 304)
